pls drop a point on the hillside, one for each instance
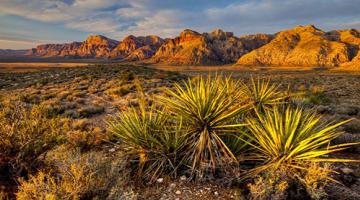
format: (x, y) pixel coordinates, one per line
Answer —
(217, 47)
(301, 46)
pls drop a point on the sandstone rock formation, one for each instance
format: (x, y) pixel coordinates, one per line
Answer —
(137, 48)
(56, 50)
(193, 48)
(350, 37)
(97, 46)
(301, 46)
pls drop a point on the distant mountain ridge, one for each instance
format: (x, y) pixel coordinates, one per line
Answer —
(303, 46)
(300, 46)
(217, 47)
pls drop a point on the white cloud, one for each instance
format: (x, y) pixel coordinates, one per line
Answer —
(117, 18)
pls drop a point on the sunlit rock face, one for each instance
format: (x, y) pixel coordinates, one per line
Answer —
(95, 46)
(351, 37)
(137, 48)
(301, 46)
(193, 48)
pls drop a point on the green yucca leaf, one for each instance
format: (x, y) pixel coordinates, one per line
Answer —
(263, 95)
(292, 136)
(209, 107)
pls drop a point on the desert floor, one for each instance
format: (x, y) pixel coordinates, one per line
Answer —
(90, 94)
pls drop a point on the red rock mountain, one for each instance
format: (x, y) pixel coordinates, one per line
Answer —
(300, 46)
(95, 46)
(217, 47)
(137, 48)
(305, 46)
(352, 39)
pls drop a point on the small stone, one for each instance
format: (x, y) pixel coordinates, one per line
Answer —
(346, 170)
(178, 192)
(177, 198)
(160, 180)
(172, 185)
(323, 109)
(216, 193)
(183, 178)
(112, 150)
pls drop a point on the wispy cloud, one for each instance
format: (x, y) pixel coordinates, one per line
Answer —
(117, 18)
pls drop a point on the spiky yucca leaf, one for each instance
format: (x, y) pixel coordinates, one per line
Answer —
(208, 107)
(151, 140)
(292, 137)
(263, 95)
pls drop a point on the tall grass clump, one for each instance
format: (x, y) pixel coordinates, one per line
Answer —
(209, 108)
(292, 137)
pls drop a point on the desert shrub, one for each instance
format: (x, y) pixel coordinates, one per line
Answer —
(269, 185)
(208, 108)
(315, 180)
(84, 135)
(29, 98)
(155, 145)
(89, 111)
(79, 176)
(25, 134)
(121, 90)
(292, 137)
(284, 183)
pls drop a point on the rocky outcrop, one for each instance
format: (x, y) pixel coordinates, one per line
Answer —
(137, 48)
(97, 46)
(189, 48)
(350, 37)
(256, 41)
(56, 50)
(301, 46)
(193, 48)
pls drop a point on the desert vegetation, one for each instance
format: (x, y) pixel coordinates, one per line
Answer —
(131, 132)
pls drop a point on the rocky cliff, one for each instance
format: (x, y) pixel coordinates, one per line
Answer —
(301, 46)
(137, 48)
(95, 46)
(193, 48)
(352, 39)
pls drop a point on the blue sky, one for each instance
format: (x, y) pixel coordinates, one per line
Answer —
(27, 23)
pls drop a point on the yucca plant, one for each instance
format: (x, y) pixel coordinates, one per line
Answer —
(292, 137)
(209, 107)
(150, 140)
(263, 95)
